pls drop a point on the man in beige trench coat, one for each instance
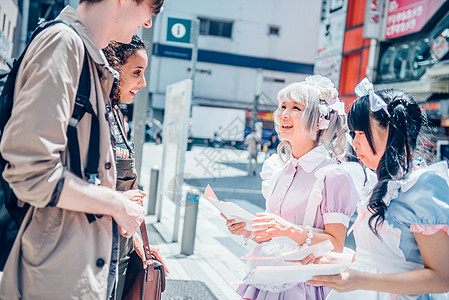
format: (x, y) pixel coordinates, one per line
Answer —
(58, 254)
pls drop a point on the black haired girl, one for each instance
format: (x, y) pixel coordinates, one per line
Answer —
(401, 231)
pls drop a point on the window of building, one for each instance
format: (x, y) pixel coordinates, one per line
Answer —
(215, 27)
(405, 61)
(273, 30)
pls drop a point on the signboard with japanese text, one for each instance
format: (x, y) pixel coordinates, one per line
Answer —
(440, 46)
(330, 39)
(409, 16)
(373, 19)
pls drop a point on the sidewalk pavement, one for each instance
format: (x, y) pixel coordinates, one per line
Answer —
(215, 264)
(209, 273)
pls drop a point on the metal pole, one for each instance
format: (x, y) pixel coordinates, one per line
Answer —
(195, 32)
(180, 178)
(141, 106)
(153, 190)
(24, 26)
(190, 218)
(257, 93)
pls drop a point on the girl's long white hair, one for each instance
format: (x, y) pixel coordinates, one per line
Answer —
(308, 94)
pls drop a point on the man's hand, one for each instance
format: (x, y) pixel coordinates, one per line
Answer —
(129, 217)
(135, 195)
(138, 247)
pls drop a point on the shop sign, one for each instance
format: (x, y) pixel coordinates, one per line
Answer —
(330, 39)
(439, 46)
(373, 19)
(409, 16)
(329, 67)
(261, 115)
(437, 107)
(432, 105)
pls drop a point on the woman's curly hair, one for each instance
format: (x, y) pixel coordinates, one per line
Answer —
(117, 55)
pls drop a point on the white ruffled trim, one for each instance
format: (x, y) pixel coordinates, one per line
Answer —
(394, 185)
(392, 191)
(336, 218)
(274, 247)
(269, 168)
(429, 229)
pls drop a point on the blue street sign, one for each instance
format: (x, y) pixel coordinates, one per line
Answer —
(178, 30)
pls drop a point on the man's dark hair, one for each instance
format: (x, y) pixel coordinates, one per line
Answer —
(156, 5)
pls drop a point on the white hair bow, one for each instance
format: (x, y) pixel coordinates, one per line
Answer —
(325, 110)
(366, 88)
(329, 102)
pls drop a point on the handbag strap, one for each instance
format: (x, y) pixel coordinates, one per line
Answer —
(146, 245)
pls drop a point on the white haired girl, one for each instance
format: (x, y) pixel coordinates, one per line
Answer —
(309, 196)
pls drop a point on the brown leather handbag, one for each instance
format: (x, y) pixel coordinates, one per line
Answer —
(140, 283)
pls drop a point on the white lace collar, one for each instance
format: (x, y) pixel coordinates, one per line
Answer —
(394, 185)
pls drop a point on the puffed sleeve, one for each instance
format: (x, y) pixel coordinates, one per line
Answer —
(340, 196)
(35, 135)
(269, 167)
(425, 206)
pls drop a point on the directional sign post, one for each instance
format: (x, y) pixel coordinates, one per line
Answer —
(179, 31)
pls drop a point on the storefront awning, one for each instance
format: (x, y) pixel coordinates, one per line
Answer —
(434, 81)
(421, 90)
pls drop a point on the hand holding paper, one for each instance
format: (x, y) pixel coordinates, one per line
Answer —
(317, 250)
(230, 210)
(268, 225)
(237, 228)
(288, 274)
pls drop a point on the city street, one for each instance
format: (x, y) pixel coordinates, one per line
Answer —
(231, 78)
(216, 264)
(224, 169)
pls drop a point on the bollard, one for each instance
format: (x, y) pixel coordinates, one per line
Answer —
(152, 197)
(190, 216)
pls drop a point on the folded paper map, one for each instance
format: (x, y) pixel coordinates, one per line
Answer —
(288, 274)
(317, 249)
(230, 210)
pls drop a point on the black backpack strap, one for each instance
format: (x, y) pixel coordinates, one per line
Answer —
(83, 105)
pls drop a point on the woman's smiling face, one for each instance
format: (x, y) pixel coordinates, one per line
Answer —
(289, 118)
(132, 77)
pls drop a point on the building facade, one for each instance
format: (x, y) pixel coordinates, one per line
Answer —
(400, 44)
(236, 39)
(413, 55)
(9, 13)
